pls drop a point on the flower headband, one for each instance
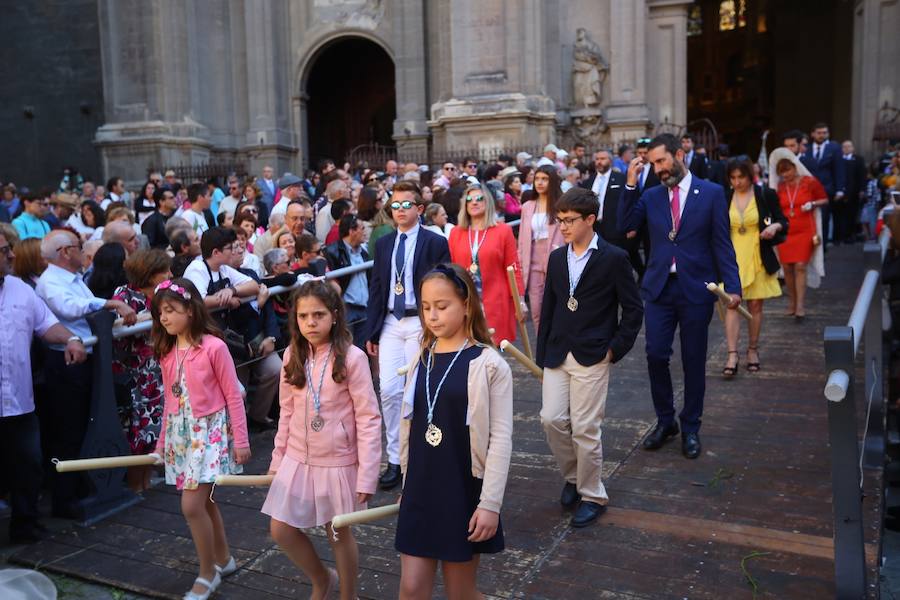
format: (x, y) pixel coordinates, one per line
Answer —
(174, 287)
(448, 272)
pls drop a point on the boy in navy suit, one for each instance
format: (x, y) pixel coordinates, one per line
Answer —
(402, 258)
(581, 335)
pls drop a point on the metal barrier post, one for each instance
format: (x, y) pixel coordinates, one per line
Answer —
(849, 544)
(873, 451)
(104, 435)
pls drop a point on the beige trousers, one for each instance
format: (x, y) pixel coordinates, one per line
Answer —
(574, 403)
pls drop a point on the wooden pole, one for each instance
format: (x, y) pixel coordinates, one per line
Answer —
(108, 462)
(244, 480)
(529, 364)
(723, 295)
(365, 516)
(520, 317)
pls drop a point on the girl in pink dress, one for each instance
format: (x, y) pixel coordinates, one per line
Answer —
(328, 446)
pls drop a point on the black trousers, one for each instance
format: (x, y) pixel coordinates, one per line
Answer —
(64, 414)
(20, 465)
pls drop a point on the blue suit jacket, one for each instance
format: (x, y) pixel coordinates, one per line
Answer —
(702, 249)
(431, 250)
(829, 169)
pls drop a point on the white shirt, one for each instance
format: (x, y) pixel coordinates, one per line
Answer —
(442, 232)
(642, 178)
(324, 222)
(684, 188)
(199, 275)
(577, 263)
(601, 183)
(539, 230)
(409, 291)
(197, 221)
(70, 299)
(545, 161)
(251, 261)
(228, 204)
(819, 150)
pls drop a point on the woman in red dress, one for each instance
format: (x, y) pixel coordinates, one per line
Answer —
(485, 247)
(800, 195)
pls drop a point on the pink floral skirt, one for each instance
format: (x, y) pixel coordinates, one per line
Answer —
(306, 496)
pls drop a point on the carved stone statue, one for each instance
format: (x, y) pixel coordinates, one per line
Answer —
(588, 70)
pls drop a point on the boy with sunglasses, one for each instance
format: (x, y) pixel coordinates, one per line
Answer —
(588, 281)
(402, 258)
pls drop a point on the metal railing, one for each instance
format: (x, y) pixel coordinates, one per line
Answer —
(847, 461)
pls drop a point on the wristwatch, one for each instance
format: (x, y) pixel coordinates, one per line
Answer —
(75, 338)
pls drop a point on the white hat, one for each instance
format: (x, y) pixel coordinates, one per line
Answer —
(523, 156)
(561, 154)
(551, 148)
(509, 171)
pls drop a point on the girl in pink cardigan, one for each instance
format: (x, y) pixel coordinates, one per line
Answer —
(328, 446)
(204, 429)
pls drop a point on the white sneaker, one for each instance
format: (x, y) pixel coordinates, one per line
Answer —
(211, 586)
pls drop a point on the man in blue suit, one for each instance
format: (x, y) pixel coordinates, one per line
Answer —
(688, 225)
(823, 158)
(402, 258)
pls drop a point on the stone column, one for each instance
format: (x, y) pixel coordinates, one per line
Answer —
(627, 113)
(146, 88)
(491, 92)
(876, 78)
(667, 68)
(269, 138)
(411, 66)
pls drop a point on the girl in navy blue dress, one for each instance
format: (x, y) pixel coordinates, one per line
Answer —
(455, 441)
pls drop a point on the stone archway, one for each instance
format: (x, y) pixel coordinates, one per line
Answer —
(350, 98)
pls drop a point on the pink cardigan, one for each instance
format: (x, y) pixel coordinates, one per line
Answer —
(352, 431)
(525, 242)
(212, 385)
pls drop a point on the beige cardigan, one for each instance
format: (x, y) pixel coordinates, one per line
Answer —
(489, 416)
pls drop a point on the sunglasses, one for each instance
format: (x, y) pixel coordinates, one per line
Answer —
(450, 168)
(250, 209)
(405, 205)
(478, 198)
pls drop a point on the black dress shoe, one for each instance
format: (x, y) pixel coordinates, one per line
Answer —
(587, 513)
(659, 436)
(690, 445)
(390, 478)
(569, 495)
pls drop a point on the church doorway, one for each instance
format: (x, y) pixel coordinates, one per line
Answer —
(756, 65)
(351, 99)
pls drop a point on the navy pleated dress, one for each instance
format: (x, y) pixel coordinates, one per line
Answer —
(441, 494)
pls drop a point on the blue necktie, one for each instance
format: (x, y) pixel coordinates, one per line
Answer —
(400, 299)
(643, 179)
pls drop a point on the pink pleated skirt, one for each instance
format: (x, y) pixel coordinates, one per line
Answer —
(306, 496)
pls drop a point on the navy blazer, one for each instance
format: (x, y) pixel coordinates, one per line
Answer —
(829, 169)
(702, 249)
(431, 250)
(606, 284)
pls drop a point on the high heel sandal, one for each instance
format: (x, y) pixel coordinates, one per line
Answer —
(211, 587)
(753, 367)
(729, 372)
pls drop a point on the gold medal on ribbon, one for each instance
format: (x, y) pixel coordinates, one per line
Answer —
(672, 235)
(433, 434)
(473, 268)
(398, 288)
(572, 304)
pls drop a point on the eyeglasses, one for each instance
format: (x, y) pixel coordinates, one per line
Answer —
(450, 168)
(478, 198)
(69, 246)
(471, 166)
(405, 205)
(250, 209)
(570, 221)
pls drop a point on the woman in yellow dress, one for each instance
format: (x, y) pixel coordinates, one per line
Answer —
(757, 226)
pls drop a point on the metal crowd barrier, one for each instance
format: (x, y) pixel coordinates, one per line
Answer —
(847, 461)
(104, 435)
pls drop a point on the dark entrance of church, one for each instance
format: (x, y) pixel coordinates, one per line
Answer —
(351, 98)
(755, 65)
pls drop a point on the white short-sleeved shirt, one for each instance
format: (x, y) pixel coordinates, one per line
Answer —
(197, 221)
(199, 275)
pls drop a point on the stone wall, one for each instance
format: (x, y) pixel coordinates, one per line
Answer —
(50, 62)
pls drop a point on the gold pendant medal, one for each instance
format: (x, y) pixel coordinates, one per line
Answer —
(572, 304)
(473, 268)
(398, 288)
(672, 235)
(433, 434)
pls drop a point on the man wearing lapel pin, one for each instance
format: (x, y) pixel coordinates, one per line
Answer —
(581, 335)
(688, 225)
